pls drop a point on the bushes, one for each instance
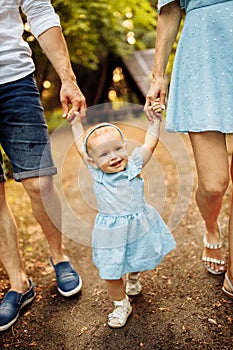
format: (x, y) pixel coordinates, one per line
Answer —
(6, 164)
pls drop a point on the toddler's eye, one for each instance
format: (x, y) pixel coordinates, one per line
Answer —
(104, 154)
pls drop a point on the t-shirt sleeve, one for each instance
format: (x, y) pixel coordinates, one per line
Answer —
(40, 15)
(162, 3)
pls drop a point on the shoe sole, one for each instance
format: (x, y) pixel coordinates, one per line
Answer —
(133, 294)
(8, 325)
(73, 291)
(212, 271)
(226, 292)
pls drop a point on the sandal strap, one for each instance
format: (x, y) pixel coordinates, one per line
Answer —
(119, 315)
(122, 310)
(213, 260)
(120, 303)
(133, 277)
(229, 282)
(210, 245)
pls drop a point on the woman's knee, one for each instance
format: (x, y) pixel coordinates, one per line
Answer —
(213, 189)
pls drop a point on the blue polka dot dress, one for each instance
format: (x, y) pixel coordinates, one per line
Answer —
(129, 235)
(201, 89)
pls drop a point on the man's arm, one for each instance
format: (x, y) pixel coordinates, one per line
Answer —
(54, 46)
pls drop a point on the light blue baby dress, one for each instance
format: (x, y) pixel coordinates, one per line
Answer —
(129, 235)
(201, 90)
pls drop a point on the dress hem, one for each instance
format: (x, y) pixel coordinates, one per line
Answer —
(197, 130)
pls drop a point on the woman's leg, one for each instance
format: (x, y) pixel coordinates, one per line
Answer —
(211, 159)
(230, 262)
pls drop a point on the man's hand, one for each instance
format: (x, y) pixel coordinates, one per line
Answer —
(72, 101)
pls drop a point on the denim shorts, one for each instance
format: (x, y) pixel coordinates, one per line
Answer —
(23, 131)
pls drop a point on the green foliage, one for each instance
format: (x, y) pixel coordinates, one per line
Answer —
(6, 164)
(54, 119)
(94, 29)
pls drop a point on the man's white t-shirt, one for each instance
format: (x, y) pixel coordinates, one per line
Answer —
(15, 54)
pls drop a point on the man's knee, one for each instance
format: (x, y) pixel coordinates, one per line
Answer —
(38, 186)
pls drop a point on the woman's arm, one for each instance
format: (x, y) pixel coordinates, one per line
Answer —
(167, 29)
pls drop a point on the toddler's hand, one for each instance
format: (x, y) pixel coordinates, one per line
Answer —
(156, 110)
(156, 107)
(74, 118)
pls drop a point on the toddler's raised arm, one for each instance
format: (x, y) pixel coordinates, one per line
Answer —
(78, 133)
(151, 139)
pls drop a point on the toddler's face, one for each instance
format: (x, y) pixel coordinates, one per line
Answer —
(108, 151)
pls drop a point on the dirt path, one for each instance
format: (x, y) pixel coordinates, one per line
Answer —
(181, 306)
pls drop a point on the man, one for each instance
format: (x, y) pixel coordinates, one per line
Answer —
(24, 137)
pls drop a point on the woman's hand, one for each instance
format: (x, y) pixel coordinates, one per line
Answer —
(155, 99)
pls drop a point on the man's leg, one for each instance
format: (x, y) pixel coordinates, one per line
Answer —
(47, 211)
(9, 250)
(22, 291)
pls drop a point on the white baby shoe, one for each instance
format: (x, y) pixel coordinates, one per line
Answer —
(133, 285)
(120, 314)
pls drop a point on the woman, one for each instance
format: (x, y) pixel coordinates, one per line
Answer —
(200, 103)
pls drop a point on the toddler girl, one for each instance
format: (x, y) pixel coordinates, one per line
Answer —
(129, 235)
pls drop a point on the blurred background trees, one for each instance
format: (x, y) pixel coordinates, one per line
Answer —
(99, 35)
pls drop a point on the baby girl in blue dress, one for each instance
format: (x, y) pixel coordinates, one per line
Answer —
(129, 236)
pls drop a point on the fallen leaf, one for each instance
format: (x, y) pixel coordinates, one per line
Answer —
(164, 309)
(212, 321)
(83, 330)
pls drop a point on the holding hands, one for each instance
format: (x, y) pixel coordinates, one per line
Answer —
(155, 100)
(72, 100)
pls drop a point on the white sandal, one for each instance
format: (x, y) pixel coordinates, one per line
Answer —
(229, 293)
(133, 285)
(213, 260)
(120, 314)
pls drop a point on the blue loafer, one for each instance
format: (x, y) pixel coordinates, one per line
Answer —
(11, 305)
(68, 280)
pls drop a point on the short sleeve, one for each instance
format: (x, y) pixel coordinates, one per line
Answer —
(96, 174)
(162, 3)
(40, 15)
(135, 163)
